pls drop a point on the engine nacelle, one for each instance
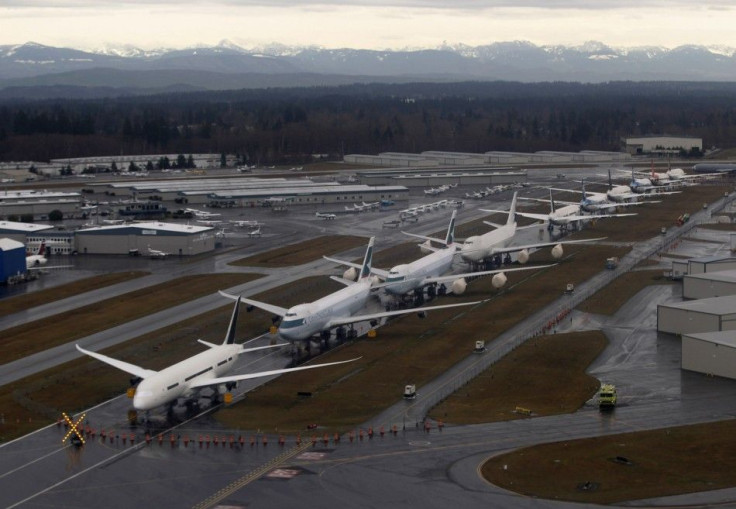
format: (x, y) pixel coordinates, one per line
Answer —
(557, 252)
(523, 256)
(499, 280)
(375, 281)
(458, 286)
(424, 247)
(351, 274)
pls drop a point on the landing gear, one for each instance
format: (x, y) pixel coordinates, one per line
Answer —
(431, 292)
(507, 259)
(442, 290)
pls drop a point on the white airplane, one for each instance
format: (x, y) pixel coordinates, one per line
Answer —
(249, 224)
(325, 215)
(336, 309)
(496, 243)
(156, 254)
(202, 214)
(674, 176)
(429, 269)
(596, 202)
(255, 233)
(38, 259)
(564, 216)
(371, 205)
(207, 369)
(209, 222)
(355, 208)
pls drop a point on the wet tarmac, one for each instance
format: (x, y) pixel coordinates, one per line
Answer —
(400, 464)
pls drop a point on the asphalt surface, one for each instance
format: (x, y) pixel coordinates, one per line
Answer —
(411, 468)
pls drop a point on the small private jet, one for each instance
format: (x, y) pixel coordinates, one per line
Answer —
(155, 254)
(325, 215)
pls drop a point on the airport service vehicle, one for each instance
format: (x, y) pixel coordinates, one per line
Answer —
(612, 262)
(207, 369)
(607, 396)
(480, 346)
(335, 310)
(410, 391)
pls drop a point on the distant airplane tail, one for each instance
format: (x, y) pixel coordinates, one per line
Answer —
(230, 336)
(450, 238)
(42, 248)
(365, 270)
(551, 202)
(512, 211)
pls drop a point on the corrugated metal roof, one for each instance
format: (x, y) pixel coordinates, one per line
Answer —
(13, 226)
(726, 338)
(727, 276)
(168, 227)
(713, 306)
(10, 244)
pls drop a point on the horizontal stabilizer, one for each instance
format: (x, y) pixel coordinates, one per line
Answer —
(342, 280)
(424, 237)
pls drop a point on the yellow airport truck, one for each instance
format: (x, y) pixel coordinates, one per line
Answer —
(607, 396)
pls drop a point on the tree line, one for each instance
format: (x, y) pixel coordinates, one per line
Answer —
(273, 126)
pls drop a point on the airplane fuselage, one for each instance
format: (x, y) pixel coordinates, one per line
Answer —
(481, 247)
(403, 279)
(304, 320)
(174, 382)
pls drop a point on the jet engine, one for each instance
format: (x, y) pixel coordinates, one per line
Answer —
(523, 256)
(499, 280)
(351, 274)
(557, 252)
(458, 286)
(424, 247)
(375, 281)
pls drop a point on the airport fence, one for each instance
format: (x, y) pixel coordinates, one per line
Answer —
(546, 320)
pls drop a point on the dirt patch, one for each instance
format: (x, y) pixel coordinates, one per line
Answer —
(614, 295)
(617, 468)
(31, 300)
(55, 330)
(302, 252)
(551, 365)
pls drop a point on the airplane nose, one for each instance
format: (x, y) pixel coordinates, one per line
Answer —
(143, 399)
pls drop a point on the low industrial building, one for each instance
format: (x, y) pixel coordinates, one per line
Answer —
(709, 284)
(137, 238)
(22, 232)
(39, 204)
(702, 315)
(710, 353)
(482, 176)
(12, 260)
(662, 145)
(391, 160)
(710, 264)
(317, 195)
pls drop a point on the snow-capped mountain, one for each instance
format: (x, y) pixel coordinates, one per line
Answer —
(32, 64)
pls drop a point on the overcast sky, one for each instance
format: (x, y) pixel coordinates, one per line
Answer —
(381, 24)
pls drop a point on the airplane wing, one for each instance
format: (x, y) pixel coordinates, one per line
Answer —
(248, 376)
(513, 249)
(124, 366)
(383, 274)
(276, 310)
(375, 316)
(453, 277)
(601, 206)
(49, 267)
(424, 237)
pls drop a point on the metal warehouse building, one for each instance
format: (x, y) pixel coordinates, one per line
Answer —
(662, 144)
(12, 260)
(711, 353)
(709, 284)
(710, 264)
(316, 195)
(483, 176)
(702, 315)
(21, 231)
(176, 239)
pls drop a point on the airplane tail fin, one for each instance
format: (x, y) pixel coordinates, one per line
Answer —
(365, 270)
(610, 180)
(450, 238)
(551, 202)
(230, 336)
(42, 248)
(585, 197)
(512, 211)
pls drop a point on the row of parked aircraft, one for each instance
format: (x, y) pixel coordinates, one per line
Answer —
(363, 207)
(344, 307)
(434, 191)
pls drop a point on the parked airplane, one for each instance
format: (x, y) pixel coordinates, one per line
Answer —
(429, 269)
(596, 202)
(334, 310)
(371, 205)
(207, 369)
(248, 224)
(563, 216)
(495, 244)
(202, 214)
(156, 254)
(325, 215)
(38, 259)
(255, 233)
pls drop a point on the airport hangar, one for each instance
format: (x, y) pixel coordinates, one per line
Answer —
(702, 315)
(39, 204)
(430, 178)
(175, 239)
(702, 265)
(709, 284)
